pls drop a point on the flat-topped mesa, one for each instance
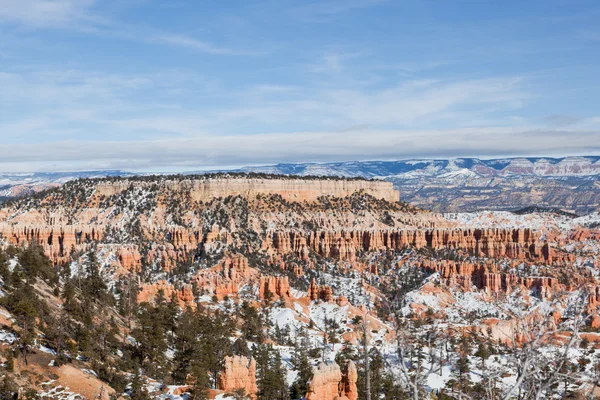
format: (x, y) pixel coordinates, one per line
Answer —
(291, 189)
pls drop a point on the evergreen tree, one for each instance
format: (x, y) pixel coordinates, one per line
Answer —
(252, 327)
(138, 392)
(201, 386)
(270, 374)
(302, 365)
(93, 285)
(482, 352)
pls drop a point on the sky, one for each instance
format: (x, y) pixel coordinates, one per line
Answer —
(145, 85)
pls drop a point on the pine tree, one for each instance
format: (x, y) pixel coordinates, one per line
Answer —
(93, 285)
(463, 369)
(271, 375)
(253, 324)
(483, 353)
(200, 388)
(302, 365)
(138, 392)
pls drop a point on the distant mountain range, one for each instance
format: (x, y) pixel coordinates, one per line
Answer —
(462, 184)
(471, 184)
(22, 184)
(459, 167)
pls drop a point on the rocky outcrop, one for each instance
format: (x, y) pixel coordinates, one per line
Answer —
(149, 292)
(225, 278)
(328, 383)
(349, 379)
(317, 292)
(222, 280)
(129, 257)
(344, 245)
(486, 277)
(594, 297)
(238, 372)
(274, 287)
(56, 240)
(290, 189)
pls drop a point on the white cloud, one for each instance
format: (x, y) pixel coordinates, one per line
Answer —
(60, 110)
(45, 13)
(81, 16)
(133, 106)
(191, 43)
(316, 10)
(210, 150)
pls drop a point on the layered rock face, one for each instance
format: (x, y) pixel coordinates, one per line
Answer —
(149, 292)
(222, 280)
(292, 189)
(316, 292)
(274, 286)
(57, 240)
(343, 245)
(238, 372)
(328, 383)
(485, 276)
(225, 278)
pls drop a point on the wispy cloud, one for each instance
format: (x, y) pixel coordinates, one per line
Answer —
(45, 13)
(330, 92)
(210, 150)
(287, 123)
(191, 43)
(333, 62)
(130, 105)
(81, 16)
(321, 10)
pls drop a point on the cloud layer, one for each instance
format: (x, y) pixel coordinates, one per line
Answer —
(140, 86)
(237, 150)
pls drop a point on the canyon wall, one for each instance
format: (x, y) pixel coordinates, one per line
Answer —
(343, 245)
(292, 189)
(485, 276)
(523, 244)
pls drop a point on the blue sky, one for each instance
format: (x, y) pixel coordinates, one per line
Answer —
(180, 85)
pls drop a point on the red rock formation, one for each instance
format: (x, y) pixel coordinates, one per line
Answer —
(56, 240)
(316, 292)
(225, 278)
(129, 257)
(485, 276)
(594, 297)
(595, 321)
(349, 380)
(239, 372)
(328, 383)
(149, 292)
(325, 383)
(275, 286)
(343, 245)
